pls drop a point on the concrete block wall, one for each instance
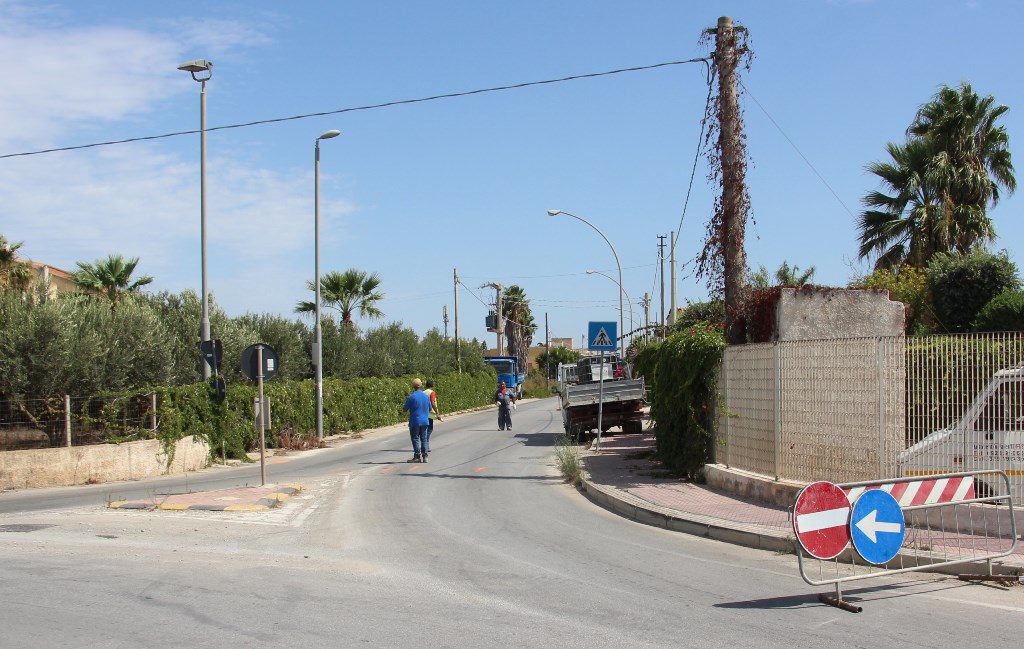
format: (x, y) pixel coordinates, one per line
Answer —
(62, 467)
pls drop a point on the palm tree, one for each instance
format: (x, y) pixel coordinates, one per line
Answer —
(519, 325)
(902, 227)
(942, 181)
(111, 276)
(784, 276)
(349, 292)
(14, 272)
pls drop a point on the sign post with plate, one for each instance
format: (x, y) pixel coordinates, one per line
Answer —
(601, 336)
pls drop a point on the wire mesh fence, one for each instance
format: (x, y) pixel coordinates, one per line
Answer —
(76, 421)
(874, 408)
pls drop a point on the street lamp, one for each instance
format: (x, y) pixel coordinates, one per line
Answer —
(629, 300)
(318, 354)
(622, 327)
(201, 70)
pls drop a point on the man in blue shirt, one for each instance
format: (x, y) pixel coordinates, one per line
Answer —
(418, 406)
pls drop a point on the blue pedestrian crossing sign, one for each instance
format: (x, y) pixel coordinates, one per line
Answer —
(877, 527)
(602, 336)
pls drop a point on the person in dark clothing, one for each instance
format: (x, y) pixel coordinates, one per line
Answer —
(505, 398)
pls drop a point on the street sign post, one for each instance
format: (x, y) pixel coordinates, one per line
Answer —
(821, 520)
(259, 363)
(601, 336)
(877, 527)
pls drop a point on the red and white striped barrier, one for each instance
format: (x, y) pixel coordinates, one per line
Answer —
(922, 492)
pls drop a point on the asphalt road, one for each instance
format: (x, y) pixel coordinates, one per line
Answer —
(483, 547)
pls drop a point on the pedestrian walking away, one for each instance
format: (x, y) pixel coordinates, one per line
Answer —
(505, 399)
(434, 414)
(417, 405)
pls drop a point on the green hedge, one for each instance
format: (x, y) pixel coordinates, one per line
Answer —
(684, 397)
(349, 406)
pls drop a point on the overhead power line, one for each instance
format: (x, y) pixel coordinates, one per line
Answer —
(353, 109)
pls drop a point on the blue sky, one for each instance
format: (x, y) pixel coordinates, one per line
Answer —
(412, 192)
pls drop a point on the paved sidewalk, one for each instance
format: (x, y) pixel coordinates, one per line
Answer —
(624, 477)
(242, 499)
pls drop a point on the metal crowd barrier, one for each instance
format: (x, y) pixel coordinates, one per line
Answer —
(946, 522)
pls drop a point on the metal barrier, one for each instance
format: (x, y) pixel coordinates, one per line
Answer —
(943, 521)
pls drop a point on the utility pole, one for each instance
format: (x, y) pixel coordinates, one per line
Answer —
(458, 360)
(547, 352)
(499, 327)
(730, 147)
(444, 316)
(672, 267)
(647, 316)
(661, 260)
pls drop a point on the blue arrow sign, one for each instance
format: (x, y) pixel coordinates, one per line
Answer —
(876, 526)
(602, 336)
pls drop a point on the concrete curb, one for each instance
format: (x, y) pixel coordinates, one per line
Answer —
(708, 527)
(751, 536)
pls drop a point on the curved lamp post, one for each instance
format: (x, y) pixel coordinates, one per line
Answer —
(318, 353)
(622, 332)
(201, 70)
(629, 300)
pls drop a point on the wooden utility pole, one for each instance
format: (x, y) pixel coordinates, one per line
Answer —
(733, 190)
(458, 360)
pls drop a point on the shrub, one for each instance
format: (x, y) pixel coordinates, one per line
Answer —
(961, 285)
(1005, 312)
(684, 398)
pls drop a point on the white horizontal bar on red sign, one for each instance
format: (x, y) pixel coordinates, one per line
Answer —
(922, 492)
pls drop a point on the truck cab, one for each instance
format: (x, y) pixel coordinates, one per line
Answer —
(507, 369)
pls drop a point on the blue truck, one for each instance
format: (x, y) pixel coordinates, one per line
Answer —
(507, 369)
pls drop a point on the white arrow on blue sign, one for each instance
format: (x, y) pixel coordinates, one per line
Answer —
(877, 527)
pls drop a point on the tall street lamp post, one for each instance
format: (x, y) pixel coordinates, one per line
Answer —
(318, 352)
(629, 300)
(201, 70)
(622, 329)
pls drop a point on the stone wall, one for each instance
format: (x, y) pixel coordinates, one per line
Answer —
(813, 313)
(61, 467)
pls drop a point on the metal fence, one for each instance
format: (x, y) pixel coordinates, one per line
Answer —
(849, 410)
(76, 421)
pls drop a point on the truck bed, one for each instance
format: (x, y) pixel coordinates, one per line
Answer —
(588, 393)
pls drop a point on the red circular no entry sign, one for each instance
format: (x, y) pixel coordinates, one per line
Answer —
(821, 520)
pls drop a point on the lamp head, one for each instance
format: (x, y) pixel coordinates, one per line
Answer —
(329, 134)
(198, 66)
(591, 272)
(554, 212)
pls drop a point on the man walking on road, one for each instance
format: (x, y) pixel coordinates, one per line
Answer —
(418, 406)
(434, 414)
(504, 398)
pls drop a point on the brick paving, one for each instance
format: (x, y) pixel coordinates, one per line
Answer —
(629, 479)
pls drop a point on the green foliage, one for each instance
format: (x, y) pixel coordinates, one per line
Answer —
(684, 397)
(349, 406)
(644, 357)
(1005, 312)
(961, 285)
(697, 312)
(908, 285)
(353, 291)
(111, 277)
(547, 362)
